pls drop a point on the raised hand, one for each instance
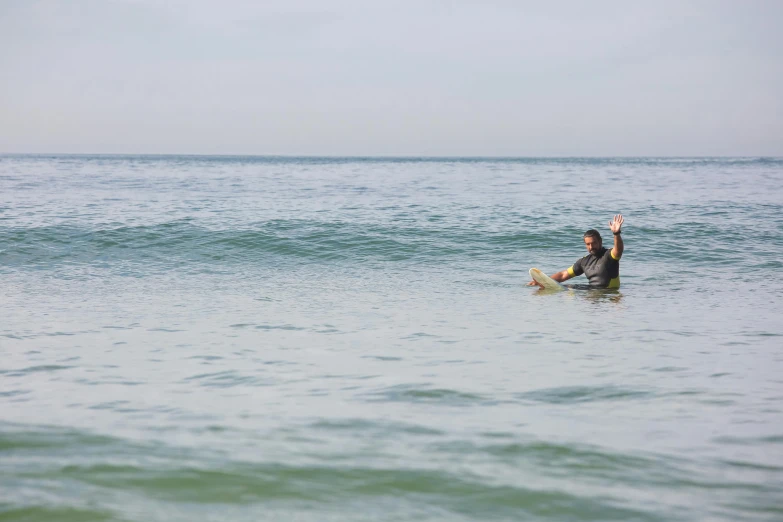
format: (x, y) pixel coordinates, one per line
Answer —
(616, 223)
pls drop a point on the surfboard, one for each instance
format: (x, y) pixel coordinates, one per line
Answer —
(548, 283)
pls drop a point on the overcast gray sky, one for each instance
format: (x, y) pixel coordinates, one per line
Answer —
(342, 77)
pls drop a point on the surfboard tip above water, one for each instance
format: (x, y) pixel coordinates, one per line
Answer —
(547, 282)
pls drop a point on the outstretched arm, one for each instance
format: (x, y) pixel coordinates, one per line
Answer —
(615, 225)
(559, 277)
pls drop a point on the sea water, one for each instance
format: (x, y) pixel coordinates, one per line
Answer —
(314, 339)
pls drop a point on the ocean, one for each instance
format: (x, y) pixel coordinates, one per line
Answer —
(351, 339)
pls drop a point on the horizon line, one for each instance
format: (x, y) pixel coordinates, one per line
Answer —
(378, 156)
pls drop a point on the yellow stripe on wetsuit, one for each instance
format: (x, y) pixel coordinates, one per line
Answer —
(614, 282)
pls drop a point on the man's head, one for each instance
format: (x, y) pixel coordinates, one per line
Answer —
(592, 241)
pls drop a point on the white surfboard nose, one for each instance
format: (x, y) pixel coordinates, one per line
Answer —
(544, 280)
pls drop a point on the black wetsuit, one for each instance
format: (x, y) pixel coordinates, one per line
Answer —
(601, 269)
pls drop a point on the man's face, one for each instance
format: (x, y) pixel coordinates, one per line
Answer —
(593, 244)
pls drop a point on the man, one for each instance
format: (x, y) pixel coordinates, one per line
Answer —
(601, 266)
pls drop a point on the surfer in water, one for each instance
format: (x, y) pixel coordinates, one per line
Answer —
(600, 265)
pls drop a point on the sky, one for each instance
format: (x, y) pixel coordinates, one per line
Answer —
(392, 78)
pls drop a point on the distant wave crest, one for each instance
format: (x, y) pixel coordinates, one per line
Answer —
(182, 241)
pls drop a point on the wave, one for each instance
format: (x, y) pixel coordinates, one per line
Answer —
(182, 241)
(56, 473)
(118, 478)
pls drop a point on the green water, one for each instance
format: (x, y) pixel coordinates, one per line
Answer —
(234, 338)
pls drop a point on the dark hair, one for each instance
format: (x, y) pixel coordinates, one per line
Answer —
(592, 233)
